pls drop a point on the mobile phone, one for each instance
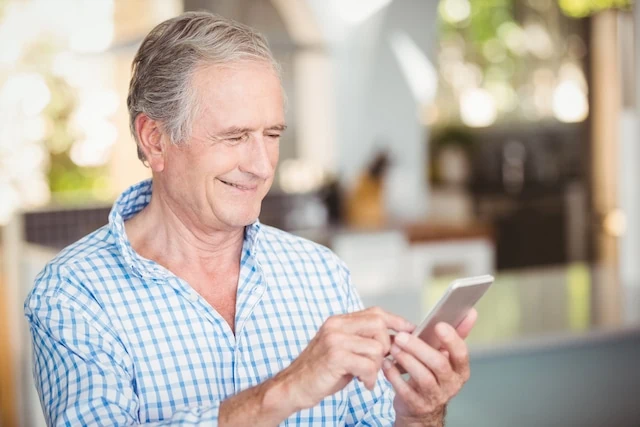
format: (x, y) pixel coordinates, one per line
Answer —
(453, 306)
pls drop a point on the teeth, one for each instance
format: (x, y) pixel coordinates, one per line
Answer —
(233, 185)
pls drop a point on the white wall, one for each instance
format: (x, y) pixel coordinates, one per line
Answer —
(629, 172)
(374, 106)
(629, 197)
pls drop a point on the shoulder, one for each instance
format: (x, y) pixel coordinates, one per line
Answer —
(60, 274)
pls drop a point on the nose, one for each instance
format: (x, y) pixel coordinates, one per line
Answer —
(259, 156)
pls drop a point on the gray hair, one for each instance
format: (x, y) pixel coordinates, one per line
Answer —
(164, 65)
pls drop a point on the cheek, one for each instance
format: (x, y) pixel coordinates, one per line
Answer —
(218, 162)
(274, 155)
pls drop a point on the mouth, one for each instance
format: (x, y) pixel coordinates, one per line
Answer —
(238, 186)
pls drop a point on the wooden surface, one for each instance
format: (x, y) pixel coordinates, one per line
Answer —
(434, 232)
(8, 416)
(10, 322)
(419, 232)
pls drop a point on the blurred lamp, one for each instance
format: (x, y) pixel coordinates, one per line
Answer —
(615, 223)
(570, 103)
(454, 11)
(513, 37)
(538, 41)
(299, 176)
(477, 108)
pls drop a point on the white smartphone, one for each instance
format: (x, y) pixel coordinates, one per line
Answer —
(453, 306)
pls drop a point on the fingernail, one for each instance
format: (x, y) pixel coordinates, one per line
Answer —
(443, 330)
(386, 364)
(410, 325)
(395, 349)
(401, 338)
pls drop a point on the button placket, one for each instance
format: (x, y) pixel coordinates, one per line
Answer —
(193, 296)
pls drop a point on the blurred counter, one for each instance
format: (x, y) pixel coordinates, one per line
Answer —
(525, 307)
(542, 307)
(553, 347)
(417, 232)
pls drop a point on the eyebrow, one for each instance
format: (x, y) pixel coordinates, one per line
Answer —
(281, 127)
(235, 130)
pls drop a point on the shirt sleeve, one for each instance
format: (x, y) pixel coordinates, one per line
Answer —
(82, 371)
(367, 408)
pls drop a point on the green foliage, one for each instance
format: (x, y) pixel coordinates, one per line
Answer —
(497, 46)
(487, 21)
(67, 181)
(485, 18)
(583, 8)
(71, 183)
(64, 175)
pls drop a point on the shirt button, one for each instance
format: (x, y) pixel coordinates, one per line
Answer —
(258, 289)
(193, 296)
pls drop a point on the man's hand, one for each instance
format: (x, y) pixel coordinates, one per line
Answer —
(346, 346)
(435, 375)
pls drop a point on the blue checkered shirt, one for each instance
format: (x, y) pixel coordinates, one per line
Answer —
(120, 340)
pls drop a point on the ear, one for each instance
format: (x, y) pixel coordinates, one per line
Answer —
(151, 140)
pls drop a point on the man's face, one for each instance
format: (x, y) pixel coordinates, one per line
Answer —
(222, 173)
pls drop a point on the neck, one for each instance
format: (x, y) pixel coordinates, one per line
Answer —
(165, 234)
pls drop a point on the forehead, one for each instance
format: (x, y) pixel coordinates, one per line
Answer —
(242, 91)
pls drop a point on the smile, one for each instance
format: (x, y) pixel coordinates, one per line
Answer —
(239, 187)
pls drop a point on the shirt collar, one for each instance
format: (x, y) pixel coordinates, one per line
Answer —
(132, 201)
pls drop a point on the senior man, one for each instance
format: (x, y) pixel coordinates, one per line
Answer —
(184, 309)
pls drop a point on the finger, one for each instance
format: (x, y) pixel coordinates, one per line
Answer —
(465, 327)
(373, 322)
(363, 326)
(391, 321)
(427, 356)
(367, 347)
(418, 372)
(457, 348)
(407, 393)
(363, 368)
(397, 323)
(391, 340)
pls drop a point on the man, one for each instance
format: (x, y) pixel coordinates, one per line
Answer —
(184, 309)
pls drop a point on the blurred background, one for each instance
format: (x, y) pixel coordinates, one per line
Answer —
(427, 140)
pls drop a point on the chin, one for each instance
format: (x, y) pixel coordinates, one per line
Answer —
(240, 217)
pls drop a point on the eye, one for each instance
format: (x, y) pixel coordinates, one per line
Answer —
(237, 139)
(274, 136)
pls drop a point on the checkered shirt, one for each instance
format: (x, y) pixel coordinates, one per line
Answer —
(120, 340)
